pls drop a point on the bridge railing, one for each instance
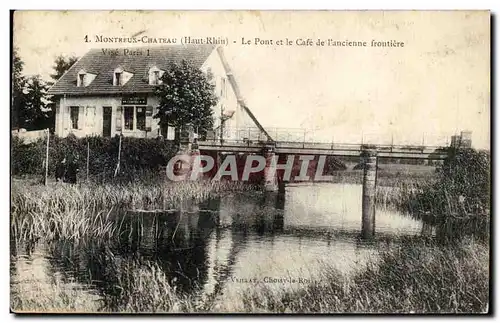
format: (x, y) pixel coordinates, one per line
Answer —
(292, 138)
(319, 145)
(298, 135)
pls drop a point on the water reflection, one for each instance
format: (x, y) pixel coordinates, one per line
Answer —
(212, 248)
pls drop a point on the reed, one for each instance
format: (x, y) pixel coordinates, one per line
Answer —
(84, 211)
(413, 278)
(145, 288)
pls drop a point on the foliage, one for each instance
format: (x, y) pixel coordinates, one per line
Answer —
(32, 108)
(36, 113)
(458, 201)
(61, 65)
(461, 188)
(17, 87)
(138, 155)
(186, 98)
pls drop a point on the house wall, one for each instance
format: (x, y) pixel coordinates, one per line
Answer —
(90, 119)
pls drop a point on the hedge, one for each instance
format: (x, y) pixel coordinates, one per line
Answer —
(137, 155)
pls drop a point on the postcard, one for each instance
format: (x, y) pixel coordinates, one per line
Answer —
(251, 162)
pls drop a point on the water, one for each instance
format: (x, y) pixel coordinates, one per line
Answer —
(222, 246)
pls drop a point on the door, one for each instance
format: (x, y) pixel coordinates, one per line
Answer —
(106, 121)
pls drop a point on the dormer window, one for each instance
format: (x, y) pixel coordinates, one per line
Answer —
(121, 77)
(84, 79)
(81, 78)
(155, 75)
(118, 77)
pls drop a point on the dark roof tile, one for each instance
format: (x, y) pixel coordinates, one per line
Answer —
(103, 64)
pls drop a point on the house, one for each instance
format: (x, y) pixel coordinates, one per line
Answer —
(111, 91)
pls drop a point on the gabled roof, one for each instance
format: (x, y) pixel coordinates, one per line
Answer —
(96, 61)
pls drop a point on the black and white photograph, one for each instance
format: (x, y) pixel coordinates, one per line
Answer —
(250, 162)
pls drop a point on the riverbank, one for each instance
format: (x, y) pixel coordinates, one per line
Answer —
(415, 277)
(64, 211)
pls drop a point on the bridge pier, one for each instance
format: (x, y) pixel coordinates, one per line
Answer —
(369, 159)
(270, 179)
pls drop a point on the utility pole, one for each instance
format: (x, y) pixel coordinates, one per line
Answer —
(88, 158)
(119, 155)
(222, 125)
(45, 181)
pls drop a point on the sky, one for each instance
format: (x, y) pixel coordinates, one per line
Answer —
(435, 86)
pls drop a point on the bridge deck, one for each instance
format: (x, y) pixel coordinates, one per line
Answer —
(332, 149)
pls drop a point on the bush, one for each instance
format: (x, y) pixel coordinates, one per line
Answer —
(458, 201)
(138, 155)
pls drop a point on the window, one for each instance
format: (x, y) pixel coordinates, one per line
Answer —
(141, 118)
(81, 79)
(118, 78)
(156, 77)
(74, 111)
(128, 114)
(135, 118)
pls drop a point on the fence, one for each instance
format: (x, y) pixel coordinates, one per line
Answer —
(95, 156)
(29, 136)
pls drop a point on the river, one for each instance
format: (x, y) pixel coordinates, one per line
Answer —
(224, 245)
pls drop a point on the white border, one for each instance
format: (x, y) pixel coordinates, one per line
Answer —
(190, 5)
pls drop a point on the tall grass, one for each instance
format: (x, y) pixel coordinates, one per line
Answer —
(145, 288)
(83, 211)
(413, 278)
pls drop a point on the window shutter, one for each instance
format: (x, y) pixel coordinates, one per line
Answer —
(81, 117)
(87, 117)
(90, 117)
(149, 117)
(119, 115)
(66, 118)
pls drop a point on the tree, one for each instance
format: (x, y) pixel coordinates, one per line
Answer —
(61, 65)
(187, 96)
(35, 113)
(18, 81)
(31, 106)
